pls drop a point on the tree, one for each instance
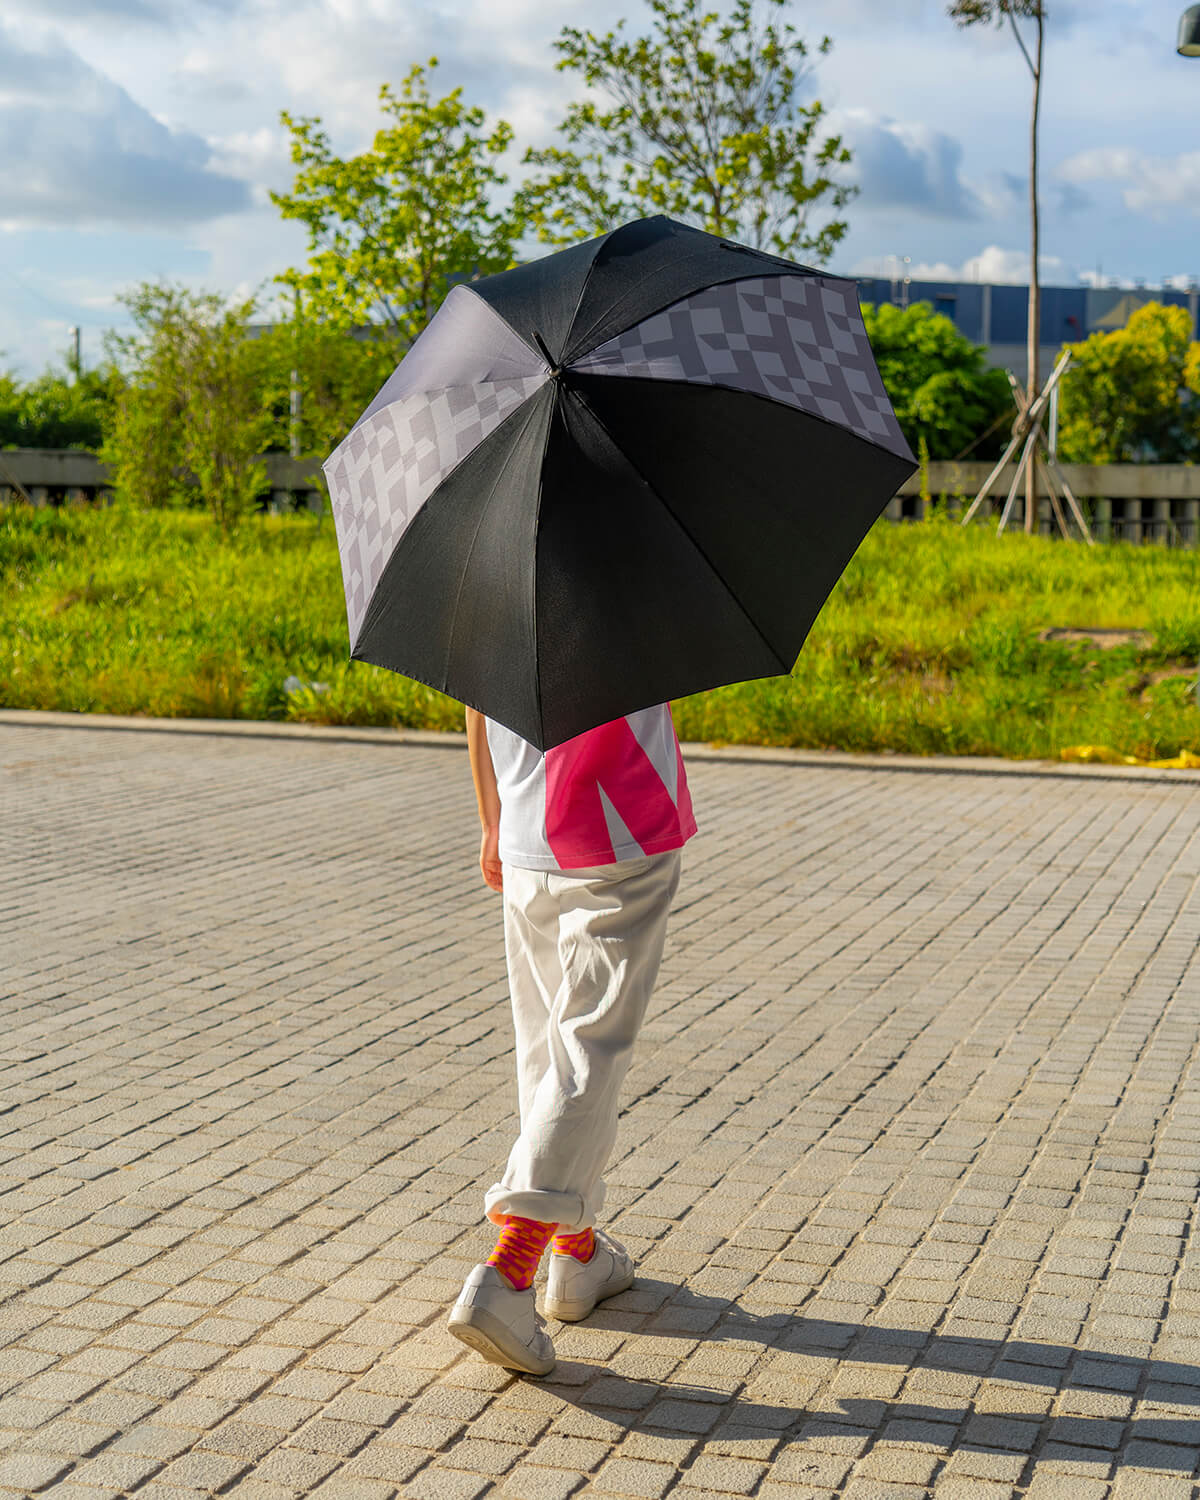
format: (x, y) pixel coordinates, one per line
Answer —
(1133, 395)
(191, 420)
(942, 389)
(391, 229)
(53, 411)
(701, 120)
(225, 426)
(971, 13)
(336, 374)
(142, 447)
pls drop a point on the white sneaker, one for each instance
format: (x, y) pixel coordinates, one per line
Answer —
(575, 1286)
(501, 1323)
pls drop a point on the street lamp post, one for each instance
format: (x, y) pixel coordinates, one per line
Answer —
(1189, 32)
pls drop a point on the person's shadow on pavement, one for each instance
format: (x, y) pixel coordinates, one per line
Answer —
(684, 1408)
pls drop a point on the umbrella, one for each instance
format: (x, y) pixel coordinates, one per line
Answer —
(626, 472)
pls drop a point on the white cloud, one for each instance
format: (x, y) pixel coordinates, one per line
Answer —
(905, 164)
(96, 293)
(163, 13)
(994, 264)
(261, 158)
(243, 252)
(77, 150)
(202, 75)
(1155, 185)
(329, 57)
(1011, 267)
(161, 118)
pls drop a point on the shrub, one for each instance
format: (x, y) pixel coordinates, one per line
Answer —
(56, 412)
(1133, 395)
(940, 383)
(191, 422)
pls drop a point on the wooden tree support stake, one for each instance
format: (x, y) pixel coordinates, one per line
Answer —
(1035, 454)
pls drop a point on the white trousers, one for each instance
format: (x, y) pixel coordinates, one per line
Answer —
(583, 949)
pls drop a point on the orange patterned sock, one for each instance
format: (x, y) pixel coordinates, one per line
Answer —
(579, 1245)
(519, 1249)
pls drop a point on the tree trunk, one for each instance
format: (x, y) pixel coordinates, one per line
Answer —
(1035, 291)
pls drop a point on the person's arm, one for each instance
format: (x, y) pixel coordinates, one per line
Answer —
(483, 773)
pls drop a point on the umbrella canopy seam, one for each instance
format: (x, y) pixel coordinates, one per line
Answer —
(613, 357)
(533, 578)
(526, 406)
(785, 665)
(395, 387)
(737, 390)
(580, 347)
(358, 626)
(538, 354)
(433, 680)
(601, 241)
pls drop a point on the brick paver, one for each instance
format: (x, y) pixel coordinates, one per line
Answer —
(909, 1157)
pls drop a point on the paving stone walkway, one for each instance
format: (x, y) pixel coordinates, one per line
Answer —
(909, 1157)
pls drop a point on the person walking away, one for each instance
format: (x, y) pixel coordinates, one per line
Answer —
(584, 844)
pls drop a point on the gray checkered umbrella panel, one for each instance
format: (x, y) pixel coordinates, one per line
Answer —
(462, 377)
(795, 339)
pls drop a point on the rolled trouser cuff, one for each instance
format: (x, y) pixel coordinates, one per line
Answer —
(567, 1210)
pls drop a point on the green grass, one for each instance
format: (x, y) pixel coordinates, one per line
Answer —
(929, 644)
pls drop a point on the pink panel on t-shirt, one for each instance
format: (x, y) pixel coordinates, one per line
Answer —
(609, 757)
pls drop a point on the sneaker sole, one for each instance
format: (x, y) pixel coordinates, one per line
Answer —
(576, 1309)
(495, 1341)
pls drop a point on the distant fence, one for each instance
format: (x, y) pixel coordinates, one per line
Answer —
(59, 476)
(1123, 502)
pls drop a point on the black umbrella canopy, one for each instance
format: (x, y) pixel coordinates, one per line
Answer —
(614, 476)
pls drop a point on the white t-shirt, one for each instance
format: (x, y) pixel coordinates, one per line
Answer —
(615, 792)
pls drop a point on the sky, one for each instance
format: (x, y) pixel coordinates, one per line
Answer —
(141, 138)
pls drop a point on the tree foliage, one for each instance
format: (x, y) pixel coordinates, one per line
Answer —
(141, 446)
(206, 394)
(391, 229)
(191, 422)
(700, 119)
(941, 386)
(970, 12)
(54, 411)
(224, 427)
(1134, 394)
(337, 374)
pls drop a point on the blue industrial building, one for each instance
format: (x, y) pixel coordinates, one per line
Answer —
(997, 315)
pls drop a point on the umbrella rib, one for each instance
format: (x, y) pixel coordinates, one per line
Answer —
(583, 286)
(785, 666)
(508, 459)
